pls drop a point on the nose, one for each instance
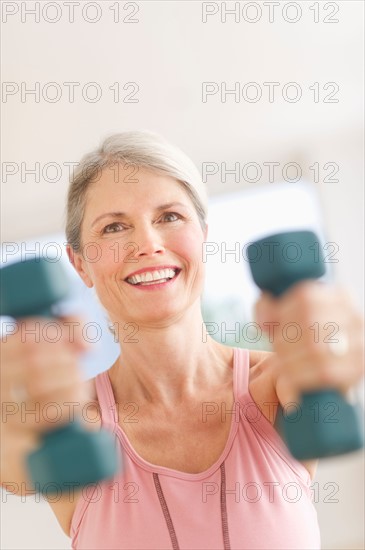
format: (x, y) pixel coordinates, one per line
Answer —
(148, 241)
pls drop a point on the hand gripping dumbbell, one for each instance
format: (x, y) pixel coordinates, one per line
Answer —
(69, 454)
(324, 423)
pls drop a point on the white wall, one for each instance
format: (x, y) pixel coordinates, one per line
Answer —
(168, 53)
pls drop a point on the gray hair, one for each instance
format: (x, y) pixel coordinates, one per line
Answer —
(143, 149)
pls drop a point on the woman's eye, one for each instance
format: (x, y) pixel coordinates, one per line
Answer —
(169, 215)
(112, 228)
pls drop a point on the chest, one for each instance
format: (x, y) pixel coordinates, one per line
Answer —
(189, 440)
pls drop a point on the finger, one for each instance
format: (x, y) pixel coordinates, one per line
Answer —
(302, 374)
(34, 330)
(51, 410)
(264, 309)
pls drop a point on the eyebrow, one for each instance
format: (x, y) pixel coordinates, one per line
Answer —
(123, 214)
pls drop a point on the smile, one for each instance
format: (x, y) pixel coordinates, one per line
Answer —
(153, 279)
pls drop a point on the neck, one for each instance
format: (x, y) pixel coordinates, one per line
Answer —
(171, 364)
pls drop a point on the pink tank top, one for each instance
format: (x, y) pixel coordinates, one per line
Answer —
(255, 496)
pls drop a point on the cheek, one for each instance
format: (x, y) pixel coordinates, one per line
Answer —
(103, 260)
(189, 245)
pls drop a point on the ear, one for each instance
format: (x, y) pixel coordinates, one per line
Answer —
(78, 262)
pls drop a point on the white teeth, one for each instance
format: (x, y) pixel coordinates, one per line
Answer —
(150, 276)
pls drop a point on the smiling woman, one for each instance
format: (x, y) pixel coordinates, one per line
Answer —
(203, 463)
(159, 229)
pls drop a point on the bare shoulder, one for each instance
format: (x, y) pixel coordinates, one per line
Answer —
(262, 382)
(260, 358)
(93, 409)
(91, 388)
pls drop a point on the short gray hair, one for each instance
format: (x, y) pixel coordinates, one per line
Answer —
(143, 149)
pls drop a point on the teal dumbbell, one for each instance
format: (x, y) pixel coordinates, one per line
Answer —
(324, 424)
(68, 454)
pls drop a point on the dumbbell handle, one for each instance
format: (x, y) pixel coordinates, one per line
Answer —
(323, 423)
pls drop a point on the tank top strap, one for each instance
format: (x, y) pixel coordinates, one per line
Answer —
(108, 410)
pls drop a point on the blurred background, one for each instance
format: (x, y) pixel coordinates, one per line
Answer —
(267, 100)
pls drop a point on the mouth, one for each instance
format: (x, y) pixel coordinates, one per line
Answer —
(153, 279)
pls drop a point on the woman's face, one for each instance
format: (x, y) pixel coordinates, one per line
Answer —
(138, 226)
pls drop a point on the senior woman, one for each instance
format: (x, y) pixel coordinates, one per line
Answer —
(203, 463)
